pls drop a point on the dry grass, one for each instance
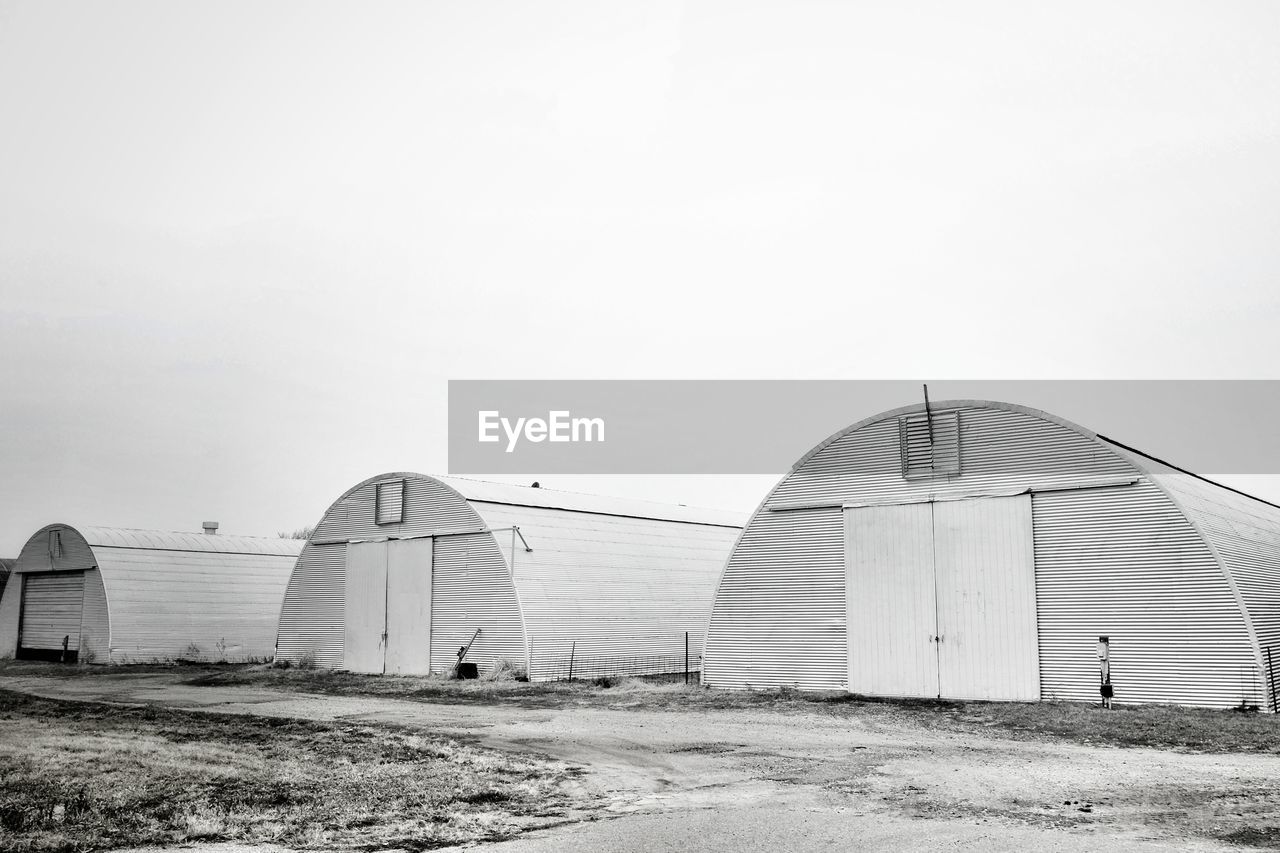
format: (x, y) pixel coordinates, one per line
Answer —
(84, 776)
(1155, 726)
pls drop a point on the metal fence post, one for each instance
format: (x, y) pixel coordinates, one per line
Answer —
(572, 649)
(686, 657)
(1271, 682)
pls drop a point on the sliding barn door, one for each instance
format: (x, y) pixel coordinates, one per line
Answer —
(365, 607)
(409, 607)
(889, 596)
(985, 569)
(941, 599)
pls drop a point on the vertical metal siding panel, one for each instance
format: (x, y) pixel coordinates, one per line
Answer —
(1125, 563)
(472, 588)
(365, 607)
(791, 563)
(779, 615)
(618, 591)
(95, 626)
(408, 603)
(986, 599)
(891, 600)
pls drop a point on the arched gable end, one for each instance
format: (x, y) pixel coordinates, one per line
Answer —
(470, 583)
(1114, 555)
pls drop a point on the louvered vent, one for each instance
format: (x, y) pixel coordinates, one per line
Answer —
(924, 455)
(389, 502)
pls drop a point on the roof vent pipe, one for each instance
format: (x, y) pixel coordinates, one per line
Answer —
(211, 528)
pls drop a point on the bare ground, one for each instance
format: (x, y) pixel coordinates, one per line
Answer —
(800, 779)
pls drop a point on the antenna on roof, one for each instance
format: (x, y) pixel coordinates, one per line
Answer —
(928, 415)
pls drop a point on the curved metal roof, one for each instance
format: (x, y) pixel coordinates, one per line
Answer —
(162, 540)
(482, 491)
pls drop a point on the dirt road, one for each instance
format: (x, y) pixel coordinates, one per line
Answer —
(761, 780)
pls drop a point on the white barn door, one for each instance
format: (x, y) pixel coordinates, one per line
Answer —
(985, 571)
(408, 650)
(365, 607)
(890, 600)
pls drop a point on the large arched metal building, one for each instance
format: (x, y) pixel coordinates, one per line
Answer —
(137, 596)
(980, 550)
(404, 570)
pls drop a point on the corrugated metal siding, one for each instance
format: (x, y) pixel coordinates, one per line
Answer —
(999, 448)
(779, 614)
(1125, 563)
(471, 585)
(429, 507)
(778, 617)
(202, 605)
(1246, 535)
(10, 606)
(472, 588)
(612, 589)
(38, 556)
(311, 626)
(165, 540)
(95, 625)
(51, 608)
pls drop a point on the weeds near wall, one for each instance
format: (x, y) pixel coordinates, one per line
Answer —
(505, 670)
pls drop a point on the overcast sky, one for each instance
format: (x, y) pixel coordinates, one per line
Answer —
(243, 246)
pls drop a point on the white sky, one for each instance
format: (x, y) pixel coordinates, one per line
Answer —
(244, 245)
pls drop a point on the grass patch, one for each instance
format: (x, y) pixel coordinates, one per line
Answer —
(78, 776)
(1154, 726)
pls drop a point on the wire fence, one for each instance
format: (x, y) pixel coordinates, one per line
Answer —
(573, 667)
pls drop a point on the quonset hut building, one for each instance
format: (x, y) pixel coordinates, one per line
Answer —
(136, 596)
(983, 550)
(405, 569)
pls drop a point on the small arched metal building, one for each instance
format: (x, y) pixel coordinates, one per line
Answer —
(980, 550)
(404, 570)
(138, 596)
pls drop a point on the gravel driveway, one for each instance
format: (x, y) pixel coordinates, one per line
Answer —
(741, 781)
